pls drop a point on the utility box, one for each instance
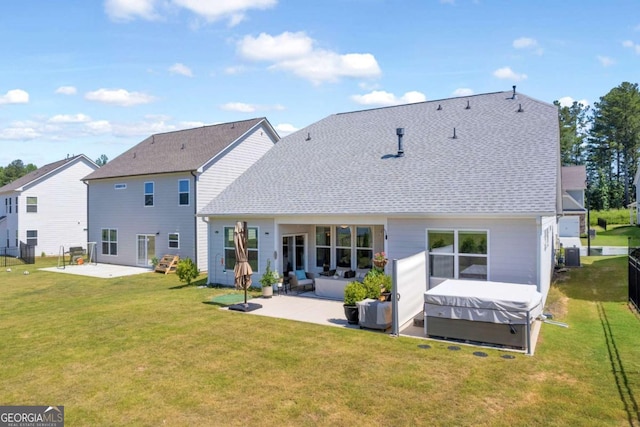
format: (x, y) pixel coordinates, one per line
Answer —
(572, 257)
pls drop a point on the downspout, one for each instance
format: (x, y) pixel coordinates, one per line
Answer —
(538, 253)
(87, 212)
(195, 218)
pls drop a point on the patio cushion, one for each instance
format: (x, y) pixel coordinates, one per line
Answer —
(301, 275)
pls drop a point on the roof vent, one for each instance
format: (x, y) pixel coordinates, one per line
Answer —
(454, 134)
(182, 148)
(233, 125)
(520, 110)
(468, 107)
(514, 96)
(308, 138)
(134, 155)
(439, 107)
(400, 133)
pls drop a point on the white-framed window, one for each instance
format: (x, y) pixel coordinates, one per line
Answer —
(343, 247)
(230, 248)
(458, 254)
(32, 204)
(323, 246)
(119, 186)
(109, 241)
(174, 240)
(32, 237)
(364, 247)
(183, 192)
(148, 193)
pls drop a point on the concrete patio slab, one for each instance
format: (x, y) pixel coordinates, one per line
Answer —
(103, 271)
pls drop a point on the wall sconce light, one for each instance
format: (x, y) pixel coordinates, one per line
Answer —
(266, 233)
(157, 233)
(216, 231)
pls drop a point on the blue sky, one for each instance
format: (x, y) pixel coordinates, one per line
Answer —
(97, 77)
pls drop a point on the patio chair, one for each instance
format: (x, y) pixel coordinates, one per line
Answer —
(299, 280)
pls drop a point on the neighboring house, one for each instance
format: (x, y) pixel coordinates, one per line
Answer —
(143, 203)
(47, 208)
(574, 184)
(474, 181)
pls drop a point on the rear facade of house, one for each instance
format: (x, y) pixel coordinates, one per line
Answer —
(143, 204)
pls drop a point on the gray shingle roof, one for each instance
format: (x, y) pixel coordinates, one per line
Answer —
(501, 162)
(574, 177)
(179, 151)
(39, 173)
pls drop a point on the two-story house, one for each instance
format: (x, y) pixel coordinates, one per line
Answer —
(143, 203)
(46, 208)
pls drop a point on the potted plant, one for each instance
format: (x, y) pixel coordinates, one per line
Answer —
(268, 279)
(379, 260)
(353, 292)
(377, 283)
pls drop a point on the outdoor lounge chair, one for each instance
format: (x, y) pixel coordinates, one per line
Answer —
(300, 280)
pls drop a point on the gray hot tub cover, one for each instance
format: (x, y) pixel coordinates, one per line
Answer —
(494, 302)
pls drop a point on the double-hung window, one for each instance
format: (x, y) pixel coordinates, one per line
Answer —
(459, 254)
(364, 247)
(174, 240)
(148, 193)
(183, 192)
(323, 247)
(230, 249)
(109, 241)
(343, 247)
(32, 237)
(32, 204)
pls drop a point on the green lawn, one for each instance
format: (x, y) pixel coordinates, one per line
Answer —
(616, 235)
(144, 350)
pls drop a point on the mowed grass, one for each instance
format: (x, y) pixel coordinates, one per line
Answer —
(616, 235)
(144, 350)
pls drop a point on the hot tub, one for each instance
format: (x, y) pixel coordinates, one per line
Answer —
(484, 312)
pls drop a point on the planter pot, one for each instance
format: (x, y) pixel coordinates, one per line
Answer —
(267, 291)
(379, 264)
(351, 313)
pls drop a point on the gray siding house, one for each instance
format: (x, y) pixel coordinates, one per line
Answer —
(46, 208)
(474, 182)
(143, 203)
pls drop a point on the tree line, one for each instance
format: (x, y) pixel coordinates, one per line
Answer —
(605, 138)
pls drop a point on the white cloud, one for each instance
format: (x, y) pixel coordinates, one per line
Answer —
(529, 44)
(383, 98)
(238, 106)
(462, 91)
(567, 101)
(295, 53)
(98, 127)
(234, 70)
(275, 48)
(127, 10)
(241, 107)
(631, 45)
(181, 69)
(14, 96)
(120, 97)
(507, 73)
(209, 10)
(605, 61)
(215, 10)
(66, 90)
(68, 118)
(18, 133)
(191, 124)
(285, 129)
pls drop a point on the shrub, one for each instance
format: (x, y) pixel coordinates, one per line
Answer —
(354, 292)
(187, 271)
(376, 282)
